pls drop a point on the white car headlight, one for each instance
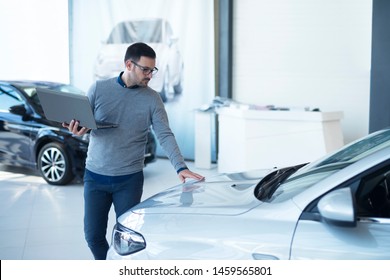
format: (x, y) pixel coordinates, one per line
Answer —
(127, 241)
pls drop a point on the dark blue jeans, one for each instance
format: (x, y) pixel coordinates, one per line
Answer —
(100, 192)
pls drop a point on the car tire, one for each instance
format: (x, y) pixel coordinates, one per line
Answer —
(163, 96)
(54, 164)
(165, 93)
(178, 88)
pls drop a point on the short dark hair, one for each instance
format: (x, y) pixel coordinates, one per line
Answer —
(136, 50)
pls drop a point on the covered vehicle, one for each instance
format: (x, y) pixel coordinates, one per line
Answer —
(158, 34)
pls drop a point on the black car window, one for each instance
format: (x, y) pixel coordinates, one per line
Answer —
(31, 93)
(8, 98)
(373, 195)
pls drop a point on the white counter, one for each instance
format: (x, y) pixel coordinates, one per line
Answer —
(252, 139)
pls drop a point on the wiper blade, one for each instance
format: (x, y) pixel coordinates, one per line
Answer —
(269, 184)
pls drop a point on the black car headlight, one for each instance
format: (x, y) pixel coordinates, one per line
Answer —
(127, 241)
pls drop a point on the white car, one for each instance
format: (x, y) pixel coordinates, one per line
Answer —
(158, 34)
(337, 207)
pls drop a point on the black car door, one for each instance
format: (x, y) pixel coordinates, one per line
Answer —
(15, 130)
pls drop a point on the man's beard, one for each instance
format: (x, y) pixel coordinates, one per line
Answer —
(144, 82)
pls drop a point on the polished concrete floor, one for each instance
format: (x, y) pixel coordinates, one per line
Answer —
(44, 222)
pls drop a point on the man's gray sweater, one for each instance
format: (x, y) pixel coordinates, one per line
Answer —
(121, 150)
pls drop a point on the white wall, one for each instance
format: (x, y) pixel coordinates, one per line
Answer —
(34, 40)
(314, 53)
(286, 52)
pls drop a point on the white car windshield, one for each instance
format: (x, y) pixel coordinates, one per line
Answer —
(319, 170)
(148, 31)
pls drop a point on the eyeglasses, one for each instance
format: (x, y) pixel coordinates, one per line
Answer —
(145, 70)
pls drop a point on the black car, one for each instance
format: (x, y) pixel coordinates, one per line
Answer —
(30, 140)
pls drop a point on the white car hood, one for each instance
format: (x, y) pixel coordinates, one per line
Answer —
(221, 195)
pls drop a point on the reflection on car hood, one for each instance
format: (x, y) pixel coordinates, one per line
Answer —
(221, 195)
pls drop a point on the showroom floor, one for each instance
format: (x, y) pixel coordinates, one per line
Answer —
(44, 222)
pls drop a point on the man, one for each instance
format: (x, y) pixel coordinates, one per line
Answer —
(115, 160)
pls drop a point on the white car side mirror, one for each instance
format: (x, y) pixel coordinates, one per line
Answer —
(337, 208)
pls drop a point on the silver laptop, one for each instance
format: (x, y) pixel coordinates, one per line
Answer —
(63, 107)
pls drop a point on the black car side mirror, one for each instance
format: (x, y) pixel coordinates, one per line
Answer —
(18, 110)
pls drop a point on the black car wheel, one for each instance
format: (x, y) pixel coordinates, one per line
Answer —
(178, 89)
(165, 94)
(54, 164)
